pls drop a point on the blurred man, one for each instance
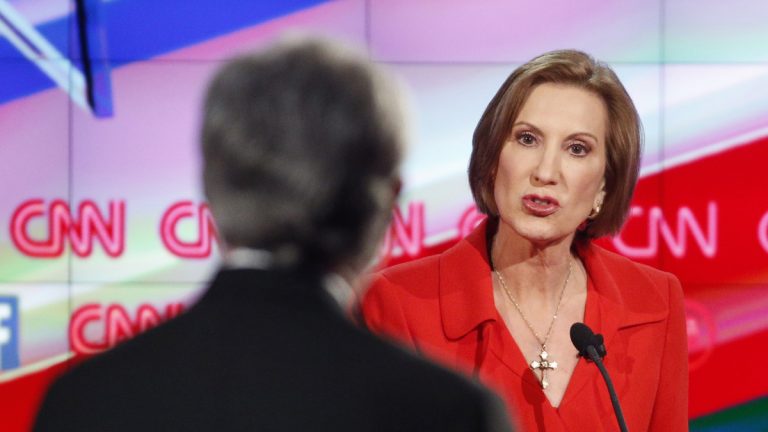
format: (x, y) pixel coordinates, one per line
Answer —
(301, 147)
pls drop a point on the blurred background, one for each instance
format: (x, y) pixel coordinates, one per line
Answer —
(104, 232)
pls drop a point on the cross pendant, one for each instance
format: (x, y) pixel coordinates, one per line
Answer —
(543, 365)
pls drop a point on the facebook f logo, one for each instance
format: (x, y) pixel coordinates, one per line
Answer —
(9, 333)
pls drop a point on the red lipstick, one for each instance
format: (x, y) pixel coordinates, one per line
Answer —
(538, 205)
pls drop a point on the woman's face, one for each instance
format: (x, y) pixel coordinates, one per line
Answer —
(551, 170)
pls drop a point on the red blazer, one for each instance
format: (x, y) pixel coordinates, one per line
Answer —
(443, 307)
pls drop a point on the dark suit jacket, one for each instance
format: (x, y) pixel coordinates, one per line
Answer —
(264, 351)
(443, 306)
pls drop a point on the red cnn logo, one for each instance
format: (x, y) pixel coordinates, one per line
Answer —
(80, 230)
(206, 230)
(95, 328)
(405, 236)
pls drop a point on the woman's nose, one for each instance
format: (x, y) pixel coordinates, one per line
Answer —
(547, 168)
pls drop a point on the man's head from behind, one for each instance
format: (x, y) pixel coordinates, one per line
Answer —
(301, 145)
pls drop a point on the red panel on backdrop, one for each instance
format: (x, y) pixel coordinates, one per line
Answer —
(728, 377)
(711, 226)
(20, 398)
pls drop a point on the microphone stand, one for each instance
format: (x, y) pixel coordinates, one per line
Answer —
(592, 352)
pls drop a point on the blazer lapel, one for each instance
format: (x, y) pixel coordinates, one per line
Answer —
(618, 298)
(466, 291)
(622, 292)
(466, 303)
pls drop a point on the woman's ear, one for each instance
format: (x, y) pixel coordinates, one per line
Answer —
(600, 197)
(597, 204)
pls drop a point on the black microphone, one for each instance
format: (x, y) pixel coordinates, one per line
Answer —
(592, 347)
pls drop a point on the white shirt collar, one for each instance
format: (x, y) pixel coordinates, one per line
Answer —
(259, 259)
(245, 258)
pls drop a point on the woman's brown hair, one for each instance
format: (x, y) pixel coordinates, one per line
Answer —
(623, 140)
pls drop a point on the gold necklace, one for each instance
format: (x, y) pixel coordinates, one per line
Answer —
(543, 364)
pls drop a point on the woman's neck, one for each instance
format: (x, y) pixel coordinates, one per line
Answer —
(531, 269)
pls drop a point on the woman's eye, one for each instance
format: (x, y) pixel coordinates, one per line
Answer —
(578, 149)
(526, 138)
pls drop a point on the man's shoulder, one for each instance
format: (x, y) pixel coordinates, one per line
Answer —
(131, 359)
(415, 386)
(108, 387)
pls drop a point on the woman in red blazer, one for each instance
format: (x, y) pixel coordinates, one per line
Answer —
(554, 163)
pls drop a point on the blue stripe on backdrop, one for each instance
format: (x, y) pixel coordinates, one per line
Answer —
(21, 77)
(141, 29)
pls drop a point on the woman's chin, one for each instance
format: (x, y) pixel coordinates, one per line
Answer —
(542, 234)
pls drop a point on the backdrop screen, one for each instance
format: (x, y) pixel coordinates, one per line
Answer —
(104, 231)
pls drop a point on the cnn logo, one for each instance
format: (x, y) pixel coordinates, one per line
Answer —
(197, 215)
(81, 229)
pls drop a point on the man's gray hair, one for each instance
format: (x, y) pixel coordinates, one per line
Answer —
(301, 146)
